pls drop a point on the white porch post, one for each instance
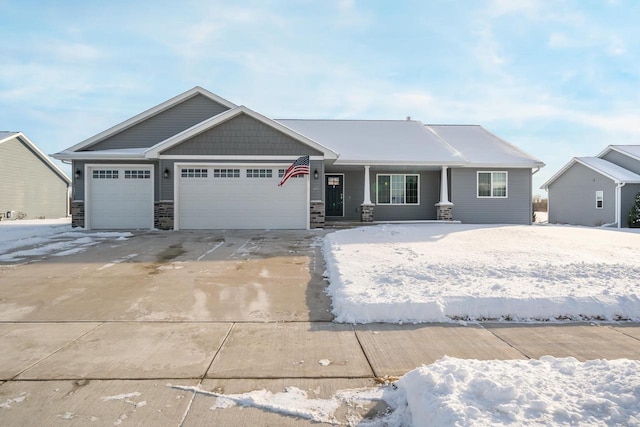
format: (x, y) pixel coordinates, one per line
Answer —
(444, 207)
(367, 187)
(366, 209)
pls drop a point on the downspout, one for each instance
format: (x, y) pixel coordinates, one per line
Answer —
(617, 219)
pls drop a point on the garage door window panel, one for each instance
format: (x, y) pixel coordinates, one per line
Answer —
(105, 174)
(137, 174)
(226, 173)
(194, 173)
(259, 173)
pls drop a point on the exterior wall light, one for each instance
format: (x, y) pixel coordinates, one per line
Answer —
(315, 174)
(78, 173)
(166, 173)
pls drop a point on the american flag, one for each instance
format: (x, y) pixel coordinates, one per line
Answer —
(299, 167)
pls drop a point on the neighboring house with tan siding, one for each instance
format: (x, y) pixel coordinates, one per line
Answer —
(31, 185)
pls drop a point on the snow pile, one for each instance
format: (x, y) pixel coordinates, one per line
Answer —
(39, 238)
(549, 391)
(444, 272)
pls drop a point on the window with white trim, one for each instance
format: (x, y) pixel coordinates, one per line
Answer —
(397, 189)
(137, 174)
(105, 174)
(492, 184)
(599, 199)
(194, 173)
(281, 173)
(226, 173)
(259, 173)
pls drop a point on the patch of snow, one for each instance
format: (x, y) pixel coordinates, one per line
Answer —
(324, 362)
(38, 238)
(453, 272)
(124, 396)
(549, 391)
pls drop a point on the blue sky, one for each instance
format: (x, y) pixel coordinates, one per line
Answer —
(557, 78)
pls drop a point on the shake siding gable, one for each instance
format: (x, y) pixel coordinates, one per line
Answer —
(29, 185)
(163, 125)
(469, 208)
(241, 136)
(572, 198)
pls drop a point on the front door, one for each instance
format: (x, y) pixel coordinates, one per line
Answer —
(334, 190)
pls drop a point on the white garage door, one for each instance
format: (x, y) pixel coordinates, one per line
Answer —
(120, 197)
(248, 197)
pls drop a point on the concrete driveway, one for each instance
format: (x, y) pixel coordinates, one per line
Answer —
(103, 337)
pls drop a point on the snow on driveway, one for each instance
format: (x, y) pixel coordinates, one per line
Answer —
(457, 392)
(49, 237)
(447, 272)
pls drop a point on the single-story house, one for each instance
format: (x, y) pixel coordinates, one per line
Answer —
(596, 191)
(31, 185)
(198, 161)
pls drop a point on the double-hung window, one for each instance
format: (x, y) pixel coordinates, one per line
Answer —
(397, 189)
(599, 199)
(492, 184)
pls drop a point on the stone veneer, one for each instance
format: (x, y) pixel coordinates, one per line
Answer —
(445, 212)
(316, 214)
(366, 213)
(163, 215)
(77, 213)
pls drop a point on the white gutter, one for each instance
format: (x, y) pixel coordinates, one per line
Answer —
(618, 211)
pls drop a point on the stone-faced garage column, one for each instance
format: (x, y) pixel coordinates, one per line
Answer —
(366, 209)
(444, 206)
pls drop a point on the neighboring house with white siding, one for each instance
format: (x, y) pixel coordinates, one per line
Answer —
(31, 185)
(595, 191)
(198, 161)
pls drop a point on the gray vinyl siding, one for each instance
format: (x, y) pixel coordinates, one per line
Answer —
(429, 189)
(316, 190)
(164, 125)
(242, 135)
(572, 198)
(628, 196)
(29, 185)
(77, 187)
(469, 208)
(623, 161)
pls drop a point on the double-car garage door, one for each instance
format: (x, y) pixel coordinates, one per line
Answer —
(205, 197)
(246, 197)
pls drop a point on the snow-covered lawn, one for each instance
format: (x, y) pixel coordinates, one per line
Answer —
(452, 272)
(549, 391)
(47, 237)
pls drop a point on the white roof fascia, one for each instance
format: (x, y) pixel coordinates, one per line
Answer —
(10, 135)
(101, 155)
(575, 160)
(150, 113)
(619, 150)
(504, 165)
(154, 152)
(395, 163)
(40, 154)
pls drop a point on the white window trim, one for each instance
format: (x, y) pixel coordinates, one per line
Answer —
(506, 196)
(601, 198)
(405, 188)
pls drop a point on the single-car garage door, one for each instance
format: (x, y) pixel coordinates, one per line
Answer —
(248, 197)
(120, 197)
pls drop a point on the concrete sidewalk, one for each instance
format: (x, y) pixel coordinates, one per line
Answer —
(76, 373)
(104, 337)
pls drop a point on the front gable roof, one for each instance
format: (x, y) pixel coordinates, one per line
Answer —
(8, 136)
(157, 150)
(632, 151)
(617, 174)
(148, 114)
